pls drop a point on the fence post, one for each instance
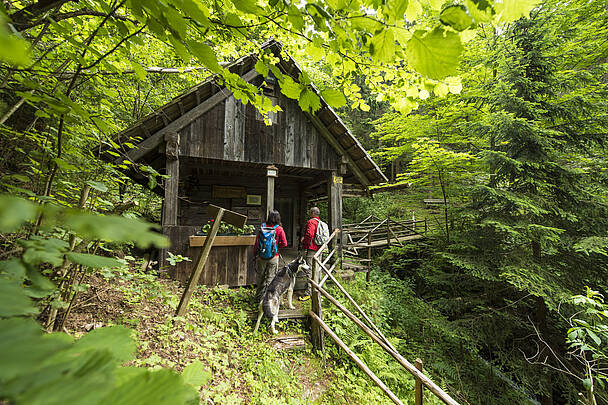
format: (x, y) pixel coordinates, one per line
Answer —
(315, 305)
(369, 255)
(419, 390)
(388, 231)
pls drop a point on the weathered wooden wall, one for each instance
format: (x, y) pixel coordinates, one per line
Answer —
(232, 131)
(229, 265)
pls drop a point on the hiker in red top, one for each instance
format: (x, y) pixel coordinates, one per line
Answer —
(309, 245)
(268, 262)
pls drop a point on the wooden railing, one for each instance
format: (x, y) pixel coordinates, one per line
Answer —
(321, 272)
(375, 233)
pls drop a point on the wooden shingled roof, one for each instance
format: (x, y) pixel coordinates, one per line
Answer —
(168, 118)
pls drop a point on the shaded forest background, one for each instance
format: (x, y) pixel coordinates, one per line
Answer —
(504, 300)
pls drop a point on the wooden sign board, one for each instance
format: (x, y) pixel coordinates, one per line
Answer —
(229, 217)
(228, 192)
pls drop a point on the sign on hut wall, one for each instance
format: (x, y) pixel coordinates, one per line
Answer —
(228, 192)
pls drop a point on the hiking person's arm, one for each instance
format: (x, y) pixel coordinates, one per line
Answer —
(281, 238)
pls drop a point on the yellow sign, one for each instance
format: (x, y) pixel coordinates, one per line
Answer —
(337, 179)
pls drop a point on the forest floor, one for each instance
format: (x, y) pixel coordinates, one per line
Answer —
(241, 368)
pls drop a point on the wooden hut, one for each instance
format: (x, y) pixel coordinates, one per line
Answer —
(217, 150)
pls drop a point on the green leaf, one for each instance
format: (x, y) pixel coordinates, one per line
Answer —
(98, 185)
(195, 374)
(309, 101)
(294, 16)
(24, 347)
(593, 336)
(261, 68)
(89, 260)
(435, 53)
(14, 211)
(480, 10)
(456, 17)
(40, 286)
(511, 10)
(12, 269)
(205, 55)
(13, 50)
(14, 302)
(290, 88)
(248, 6)
(142, 386)
(116, 339)
(114, 228)
(140, 73)
(334, 98)
(382, 45)
(414, 9)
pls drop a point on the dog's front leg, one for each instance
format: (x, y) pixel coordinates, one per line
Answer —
(260, 315)
(274, 320)
(290, 298)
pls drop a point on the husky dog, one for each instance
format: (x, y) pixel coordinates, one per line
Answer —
(283, 281)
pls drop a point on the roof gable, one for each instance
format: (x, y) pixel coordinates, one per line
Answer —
(186, 108)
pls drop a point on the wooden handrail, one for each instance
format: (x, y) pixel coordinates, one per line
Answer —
(356, 359)
(434, 388)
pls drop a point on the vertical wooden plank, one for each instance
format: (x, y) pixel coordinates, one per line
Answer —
(229, 128)
(289, 132)
(419, 388)
(251, 267)
(170, 207)
(239, 131)
(242, 266)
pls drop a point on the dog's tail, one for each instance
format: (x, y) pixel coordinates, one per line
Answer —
(269, 306)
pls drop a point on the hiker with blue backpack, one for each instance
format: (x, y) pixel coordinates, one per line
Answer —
(270, 238)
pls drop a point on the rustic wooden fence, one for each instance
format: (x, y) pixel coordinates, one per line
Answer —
(372, 233)
(324, 264)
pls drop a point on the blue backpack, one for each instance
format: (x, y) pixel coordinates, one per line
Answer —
(267, 243)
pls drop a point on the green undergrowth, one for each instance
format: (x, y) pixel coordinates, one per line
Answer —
(449, 353)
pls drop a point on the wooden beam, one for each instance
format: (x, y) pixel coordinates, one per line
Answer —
(338, 147)
(148, 145)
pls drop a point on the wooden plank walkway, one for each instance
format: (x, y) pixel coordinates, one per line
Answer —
(384, 242)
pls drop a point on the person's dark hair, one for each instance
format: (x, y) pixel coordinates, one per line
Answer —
(315, 211)
(274, 218)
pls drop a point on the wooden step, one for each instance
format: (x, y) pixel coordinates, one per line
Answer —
(293, 342)
(283, 314)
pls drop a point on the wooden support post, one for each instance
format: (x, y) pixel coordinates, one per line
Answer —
(315, 306)
(334, 208)
(200, 263)
(388, 230)
(356, 359)
(419, 389)
(272, 172)
(369, 255)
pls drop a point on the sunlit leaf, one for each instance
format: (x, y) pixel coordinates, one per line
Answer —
(334, 98)
(456, 17)
(434, 53)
